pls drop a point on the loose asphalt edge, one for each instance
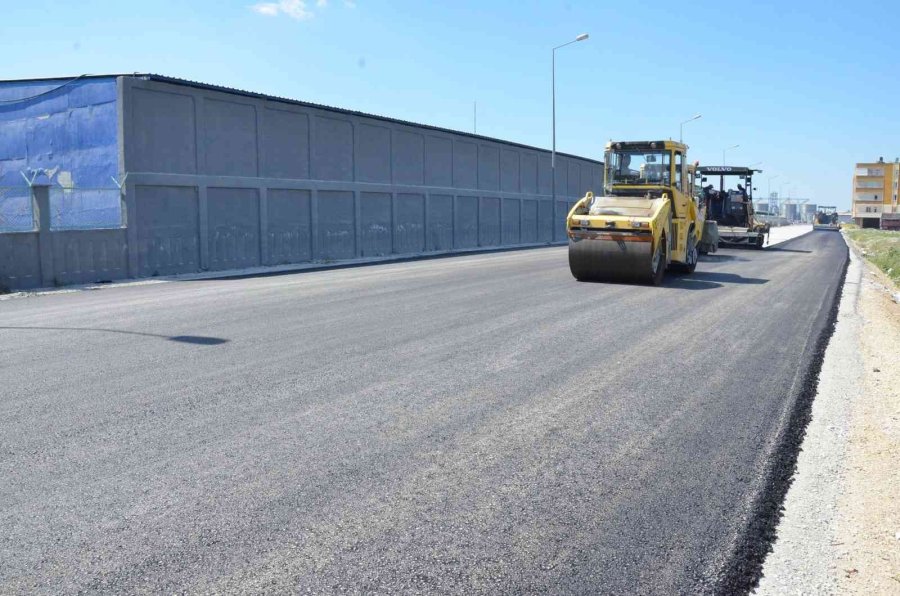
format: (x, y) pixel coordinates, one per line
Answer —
(806, 553)
(743, 568)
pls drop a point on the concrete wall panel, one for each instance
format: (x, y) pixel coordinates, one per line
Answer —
(489, 222)
(408, 158)
(509, 170)
(438, 161)
(488, 167)
(284, 144)
(373, 155)
(230, 138)
(529, 173)
(587, 182)
(20, 264)
(545, 175)
(440, 222)
(573, 178)
(465, 164)
(545, 221)
(164, 138)
(465, 222)
(336, 225)
(409, 224)
(562, 175)
(562, 209)
(511, 221)
(529, 221)
(233, 228)
(333, 153)
(597, 178)
(375, 224)
(289, 226)
(167, 230)
(88, 256)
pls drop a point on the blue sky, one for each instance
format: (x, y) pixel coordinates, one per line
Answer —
(806, 88)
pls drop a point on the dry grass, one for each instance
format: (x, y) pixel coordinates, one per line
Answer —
(881, 247)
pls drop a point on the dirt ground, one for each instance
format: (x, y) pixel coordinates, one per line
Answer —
(868, 520)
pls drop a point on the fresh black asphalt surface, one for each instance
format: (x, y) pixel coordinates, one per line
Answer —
(476, 424)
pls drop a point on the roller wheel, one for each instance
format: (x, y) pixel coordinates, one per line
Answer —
(658, 263)
(691, 256)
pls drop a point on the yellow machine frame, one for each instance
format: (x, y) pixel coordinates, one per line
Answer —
(627, 232)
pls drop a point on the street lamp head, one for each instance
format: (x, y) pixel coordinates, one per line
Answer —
(697, 117)
(581, 37)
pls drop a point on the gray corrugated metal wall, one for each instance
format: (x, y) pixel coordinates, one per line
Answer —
(219, 180)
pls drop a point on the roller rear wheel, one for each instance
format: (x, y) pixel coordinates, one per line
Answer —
(691, 256)
(658, 263)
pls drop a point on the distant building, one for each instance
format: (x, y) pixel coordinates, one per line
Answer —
(875, 190)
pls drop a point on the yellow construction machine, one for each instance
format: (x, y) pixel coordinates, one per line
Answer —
(730, 204)
(646, 220)
(827, 219)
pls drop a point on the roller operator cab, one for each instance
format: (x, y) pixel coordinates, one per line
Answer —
(645, 221)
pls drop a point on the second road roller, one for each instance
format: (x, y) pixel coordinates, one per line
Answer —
(647, 220)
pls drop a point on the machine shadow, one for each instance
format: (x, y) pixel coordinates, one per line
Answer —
(708, 280)
(778, 249)
(198, 340)
(689, 283)
(717, 258)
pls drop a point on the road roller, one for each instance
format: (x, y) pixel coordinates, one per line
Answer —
(647, 220)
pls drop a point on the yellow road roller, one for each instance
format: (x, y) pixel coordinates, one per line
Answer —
(647, 219)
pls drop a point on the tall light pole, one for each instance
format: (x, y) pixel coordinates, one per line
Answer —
(727, 149)
(681, 127)
(581, 37)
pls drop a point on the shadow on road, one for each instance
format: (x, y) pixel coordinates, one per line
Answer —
(717, 258)
(690, 283)
(199, 340)
(779, 249)
(708, 280)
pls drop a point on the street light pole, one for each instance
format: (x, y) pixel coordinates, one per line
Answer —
(681, 127)
(770, 183)
(727, 149)
(581, 37)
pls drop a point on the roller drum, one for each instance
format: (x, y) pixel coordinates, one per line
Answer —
(611, 260)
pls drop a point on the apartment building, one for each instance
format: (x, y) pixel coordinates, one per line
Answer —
(876, 186)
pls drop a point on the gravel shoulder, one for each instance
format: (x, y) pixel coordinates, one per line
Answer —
(869, 514)
(840, 532)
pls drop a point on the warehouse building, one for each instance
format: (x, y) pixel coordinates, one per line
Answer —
(145, 175)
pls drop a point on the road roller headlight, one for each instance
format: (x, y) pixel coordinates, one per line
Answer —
(640, 224)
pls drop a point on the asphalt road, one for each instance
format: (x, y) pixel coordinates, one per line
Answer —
(474, 424)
